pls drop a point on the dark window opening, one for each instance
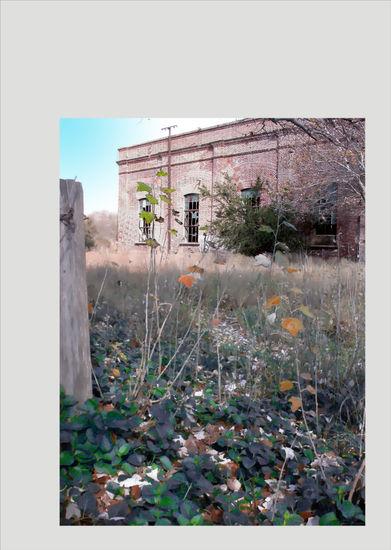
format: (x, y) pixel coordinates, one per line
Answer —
(252, 195)
(144, 227)
(192, 207)
(327, 212)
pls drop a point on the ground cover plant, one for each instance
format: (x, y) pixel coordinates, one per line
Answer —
(224, 394)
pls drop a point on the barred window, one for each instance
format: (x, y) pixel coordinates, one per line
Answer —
(192, 207)
(145, 228)
(252, 195)
(327, 212)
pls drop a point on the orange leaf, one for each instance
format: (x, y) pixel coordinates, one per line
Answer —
(135, 491)
(286, 385)
(296, 403)
(311, 389)
(219, 261)
(215, 321)
(89, 308)
(273, 301)
(113, 437)
(187, 280)
(195, 269)
(292, 270)
(292, 325)
(115, 372)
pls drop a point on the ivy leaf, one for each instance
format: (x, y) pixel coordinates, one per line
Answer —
(148, 216)
(161, 173)
(311, 389)
(143, 187)
(151, 199)
(124, 449)
(165, 199)
(167, 190)
(173, 232)
(329, 519)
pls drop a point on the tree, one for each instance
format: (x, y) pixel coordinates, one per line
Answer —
(243, 225)
(90, 232)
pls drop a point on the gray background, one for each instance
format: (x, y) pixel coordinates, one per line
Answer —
(135, 59)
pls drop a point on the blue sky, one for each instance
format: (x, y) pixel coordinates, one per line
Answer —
(89, 150)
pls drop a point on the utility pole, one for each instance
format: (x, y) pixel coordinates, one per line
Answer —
(169, 185)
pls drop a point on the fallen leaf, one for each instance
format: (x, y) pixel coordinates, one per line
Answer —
(89, 308)
(314, 349)
(187, 280)
(273, 301)
(296, 403)
(271, 318)
(135, 491)
(115, 372)
(292, 270)
(311, 389)
(215, 321)
(306, 376)
(219, 261)
(233, 484)
(286, 385)
(266, 442)
(213, 514)
(292, 325)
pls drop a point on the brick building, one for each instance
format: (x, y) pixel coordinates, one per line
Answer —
(244, 150)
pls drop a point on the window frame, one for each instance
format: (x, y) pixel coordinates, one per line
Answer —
(145, 229)
(252, 194)
(191, 230)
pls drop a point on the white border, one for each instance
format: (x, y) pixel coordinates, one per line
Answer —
(158, 59)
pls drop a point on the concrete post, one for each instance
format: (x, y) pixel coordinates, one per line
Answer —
(75, 359)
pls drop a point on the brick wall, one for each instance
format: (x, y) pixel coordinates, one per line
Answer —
(245, 150)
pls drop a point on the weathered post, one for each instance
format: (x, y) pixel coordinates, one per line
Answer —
(75, 359)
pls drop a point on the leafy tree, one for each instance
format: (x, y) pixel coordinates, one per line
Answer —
(244, 226)
(90, 233)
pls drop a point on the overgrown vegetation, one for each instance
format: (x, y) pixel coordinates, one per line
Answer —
(223, 394)
(264, 220)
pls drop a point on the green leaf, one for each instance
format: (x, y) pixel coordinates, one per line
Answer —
(281, 259)
(329, 519)
(167, 502)
(143, 187)
(173, 232)
(165, 199)
(153, 243)
(197, 520)
(161, 173)
(151, 199)
(309, 454)
(166, 462)
(66, 458)
(182, 520)
(167, 190)
(204, 228)
(148, 216)
(287, 224)
(348, 509)
(265, 228)
(124, 449)
(163, 521)
(128, 468)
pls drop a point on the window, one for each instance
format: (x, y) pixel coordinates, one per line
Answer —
(252, 195)
(327, 212)
(192, 207)
(145, 228)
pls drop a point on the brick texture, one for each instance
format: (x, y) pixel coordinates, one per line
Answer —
(245, 150)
